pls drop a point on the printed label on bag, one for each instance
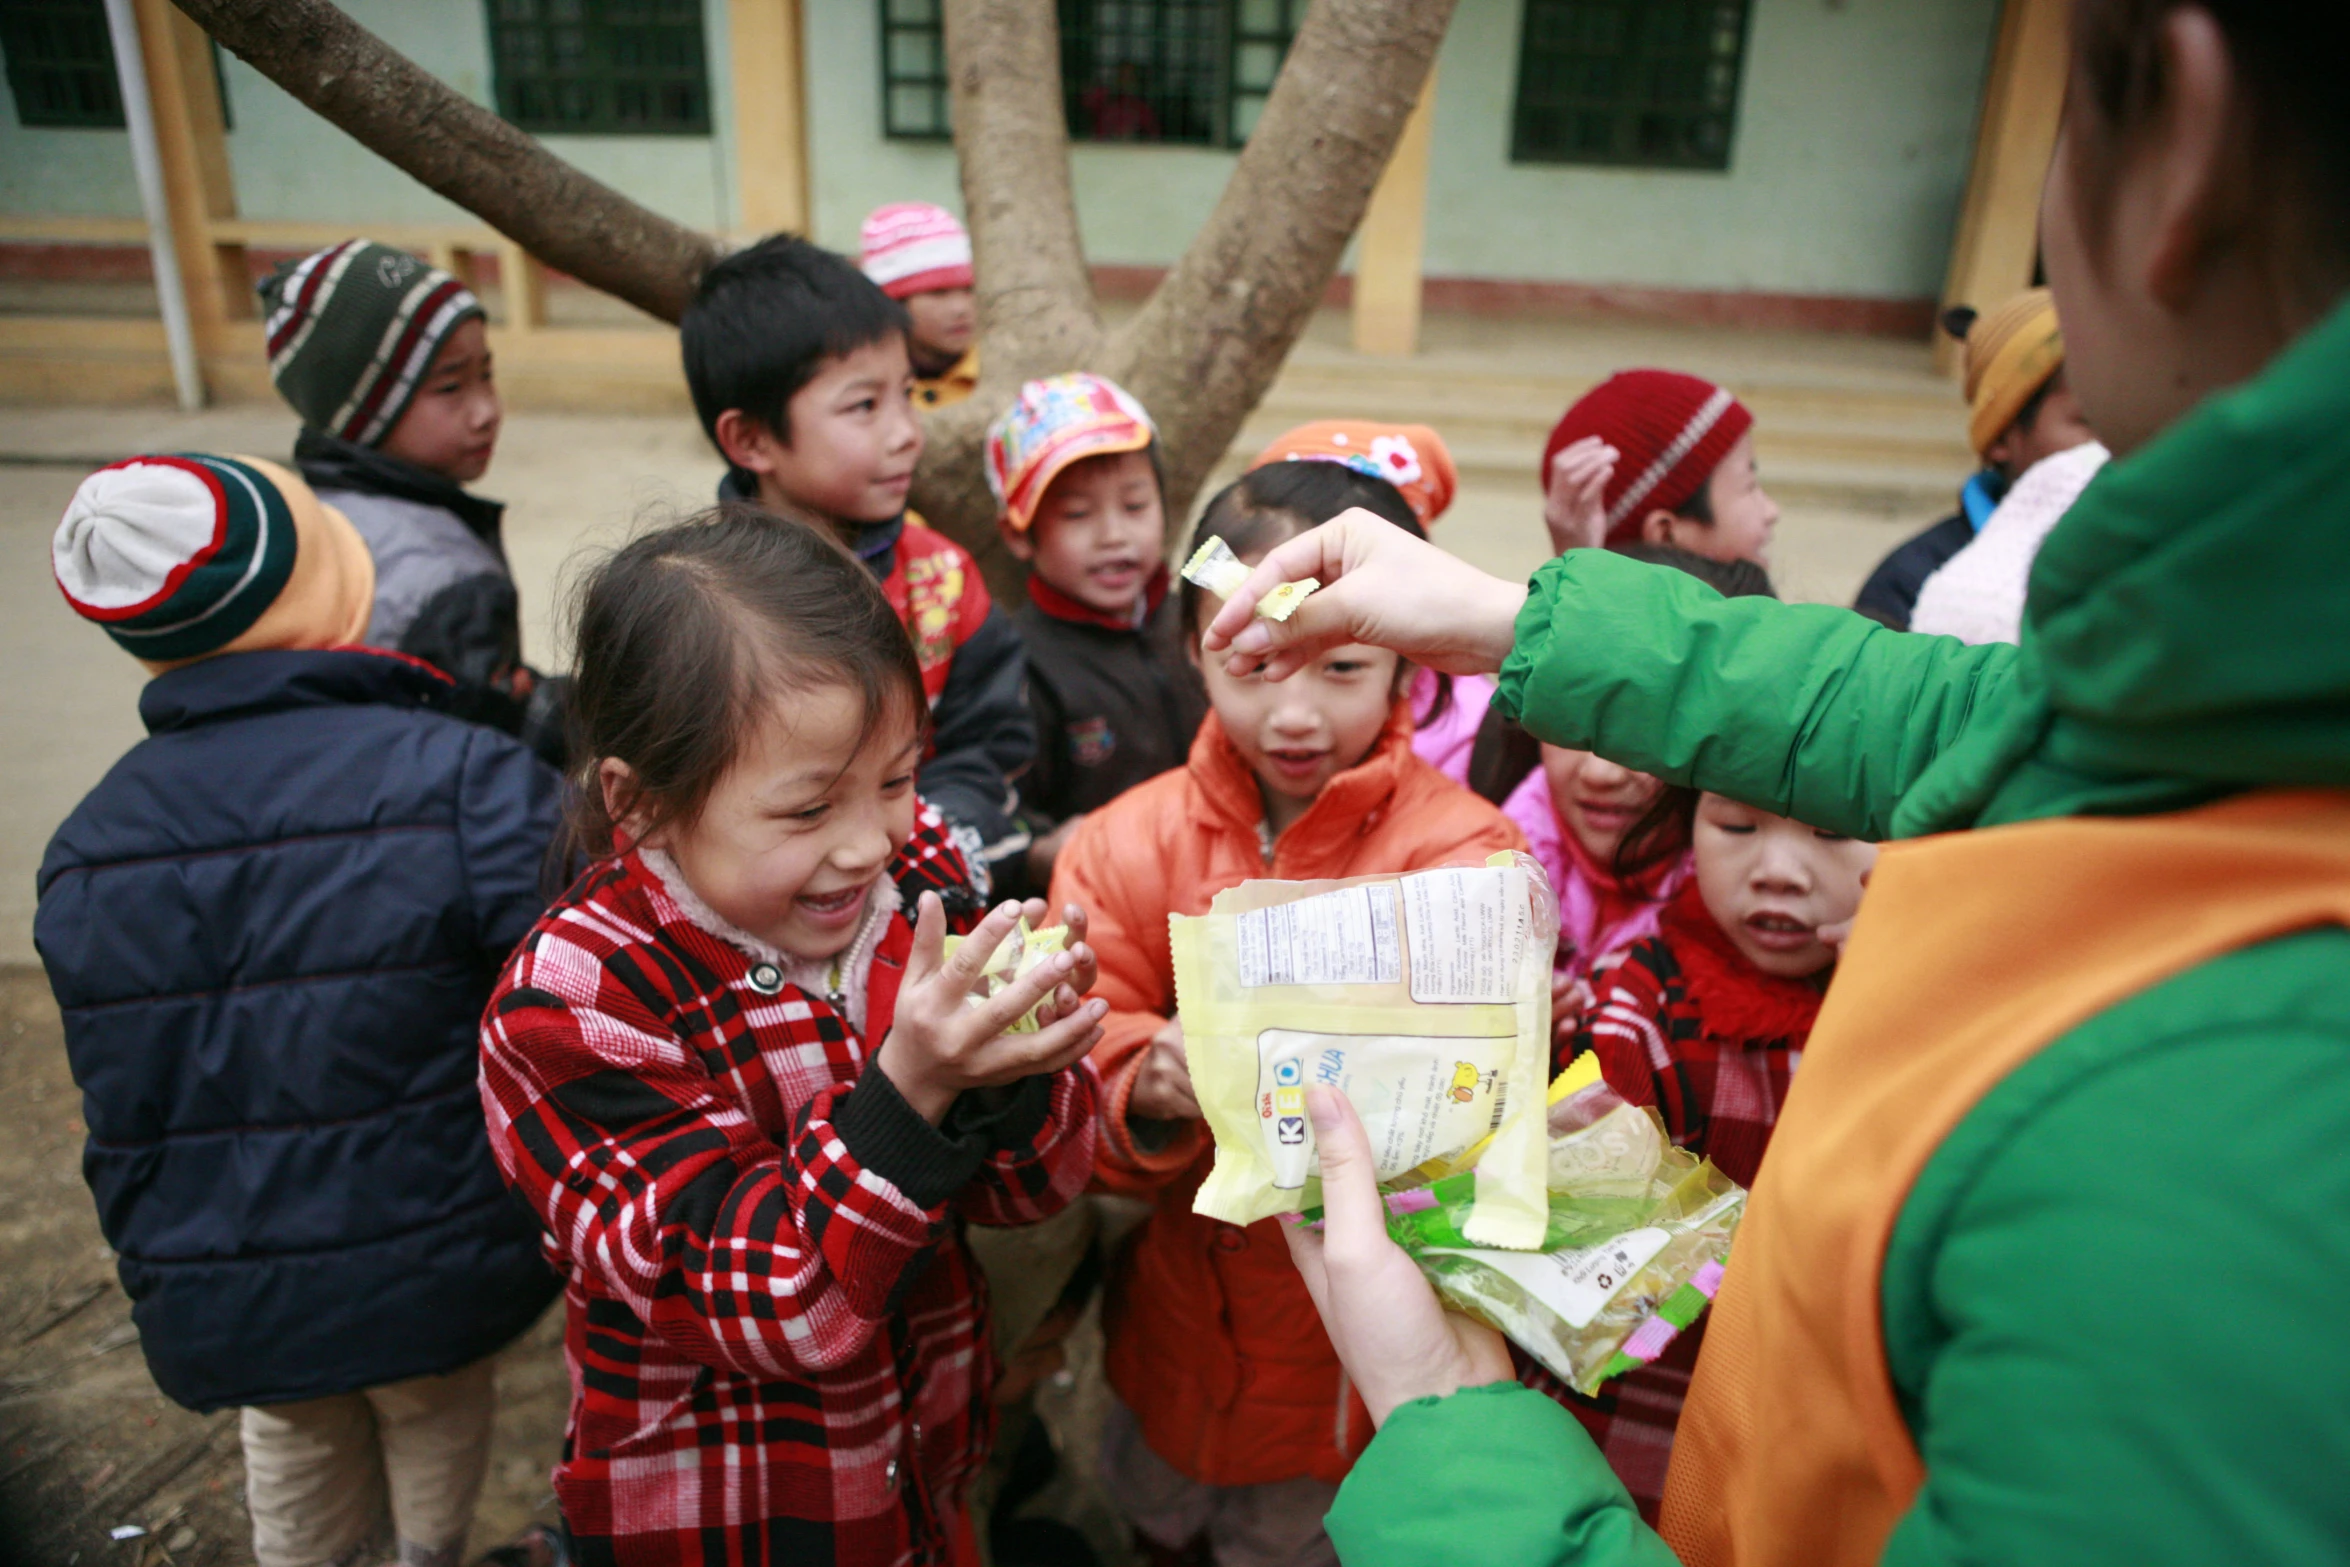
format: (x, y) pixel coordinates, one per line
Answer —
(1419, 1099)
(1346, 937)
(1467, 930)
(1576, 1283)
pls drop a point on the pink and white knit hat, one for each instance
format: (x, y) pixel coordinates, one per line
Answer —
(912, 247)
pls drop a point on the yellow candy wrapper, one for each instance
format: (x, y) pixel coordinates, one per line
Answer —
(1016, 957)
(1424, 998)
(1214, 567)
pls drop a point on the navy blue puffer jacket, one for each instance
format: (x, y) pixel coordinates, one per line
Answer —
(272, 929)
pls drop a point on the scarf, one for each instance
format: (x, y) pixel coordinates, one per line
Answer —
(1739, 1002)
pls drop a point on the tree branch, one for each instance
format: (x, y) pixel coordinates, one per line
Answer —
(427, 129)
(1204, 350)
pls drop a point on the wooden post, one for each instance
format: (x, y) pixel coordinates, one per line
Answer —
(524, 287)
(1998, 241)
(192, 140)
(1387, 253)
(770, 116)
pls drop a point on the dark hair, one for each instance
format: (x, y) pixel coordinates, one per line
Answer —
(764, 320)
(1732, 579)
(1271, 505)
(682, 634)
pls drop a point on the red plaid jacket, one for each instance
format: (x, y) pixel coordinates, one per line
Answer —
(1686, 1024)
(777, 1341)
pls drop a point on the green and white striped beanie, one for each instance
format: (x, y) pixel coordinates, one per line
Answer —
(352, 331)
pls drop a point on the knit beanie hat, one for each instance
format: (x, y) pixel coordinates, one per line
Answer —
(1411, 457)
(1053, 423)
(1673, 431)
(352, 331)
(912, 247)
(184, 556)
(2011, 351)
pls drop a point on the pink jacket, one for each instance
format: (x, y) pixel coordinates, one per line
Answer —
(1583, 938)
(1445, 744)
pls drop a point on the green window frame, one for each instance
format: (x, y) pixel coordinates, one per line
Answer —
(1630, 83)
(60, 64)
(601, 67)
(1156, 72)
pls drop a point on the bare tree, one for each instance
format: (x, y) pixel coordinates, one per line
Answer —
(1200, 354)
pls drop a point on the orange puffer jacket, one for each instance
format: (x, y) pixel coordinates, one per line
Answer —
(1213, 1341)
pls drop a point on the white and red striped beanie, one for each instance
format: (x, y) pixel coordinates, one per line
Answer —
(1671, 431)
(177, 557)
(352, 330)
(912, 247)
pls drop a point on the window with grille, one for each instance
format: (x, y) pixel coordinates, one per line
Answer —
(1193, 72)
(601, 67)
(60, 62)
(1646, 83)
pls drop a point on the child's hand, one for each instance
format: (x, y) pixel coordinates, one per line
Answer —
(1162, 1084)
(1570, 999)
(1574, 505)
(940, 1044)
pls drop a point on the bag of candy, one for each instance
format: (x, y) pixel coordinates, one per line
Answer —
(1424, 998)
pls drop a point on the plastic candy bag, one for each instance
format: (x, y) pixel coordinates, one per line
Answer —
(1424, 998)
(1633, 1250)
(1017, 956)
(1214, 567)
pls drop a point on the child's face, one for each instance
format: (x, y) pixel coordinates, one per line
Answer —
(1743, 515)
(1770, 883)
(792, 839)
(945, 321)
(451, 426)
(1596, 800)
(854, 438)
(1098, 531)
(1298, 734)
(2057, 426)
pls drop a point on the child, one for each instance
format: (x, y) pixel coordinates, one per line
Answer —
(271, 929)
(1235, 1421)
(2020, 410)
(748, 1101)
(1659, 457)
(1412, 459)
(388, 362)
(1706, 1020)
(921, 258)
(798, 369)
(1074, 465)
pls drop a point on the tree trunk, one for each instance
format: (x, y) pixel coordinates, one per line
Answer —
(502, 175)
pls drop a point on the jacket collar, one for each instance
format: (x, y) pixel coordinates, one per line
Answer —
(331, 463)
(1348, 806)
(874, 543)
(1060, 606)
(242, 685)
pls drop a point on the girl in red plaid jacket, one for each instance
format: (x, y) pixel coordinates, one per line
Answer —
(777, 1342)
(1706, 1021)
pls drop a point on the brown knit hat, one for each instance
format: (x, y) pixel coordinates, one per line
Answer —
(2011, 351)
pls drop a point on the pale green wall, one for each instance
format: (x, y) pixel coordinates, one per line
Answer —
(65, 173)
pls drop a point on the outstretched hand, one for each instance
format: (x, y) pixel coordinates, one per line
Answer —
(1396, 1340)
(1380, 586)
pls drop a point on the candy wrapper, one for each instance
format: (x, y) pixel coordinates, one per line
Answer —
(1637, 1235)
(1014, 958)
(1424, 998)
(1214, 567)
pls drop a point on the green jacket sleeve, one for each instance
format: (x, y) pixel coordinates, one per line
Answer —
(1498, 1476)
(1810, 711)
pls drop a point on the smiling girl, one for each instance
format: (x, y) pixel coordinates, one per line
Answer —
(747, 1096)
(1235, 1422)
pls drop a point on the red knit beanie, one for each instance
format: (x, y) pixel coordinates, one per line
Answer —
(1673, 431)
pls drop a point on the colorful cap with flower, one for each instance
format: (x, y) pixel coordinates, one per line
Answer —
(1411, 457)
(912, 247)
(1054, 422)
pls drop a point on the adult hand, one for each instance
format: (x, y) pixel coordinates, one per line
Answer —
(1380, 586)
(1396, 1340)
(1574, 503)
(1162, 1084)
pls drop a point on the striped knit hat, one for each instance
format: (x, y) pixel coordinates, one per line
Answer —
(182, 556)
(352, 331)
(912, 247)
(1671, 431)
